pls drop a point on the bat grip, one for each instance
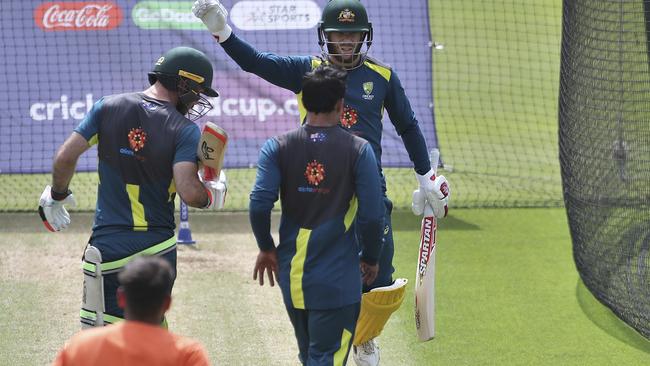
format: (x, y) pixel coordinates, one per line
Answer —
(434, 156)
(208, 174)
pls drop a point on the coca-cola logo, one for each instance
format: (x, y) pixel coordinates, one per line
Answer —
(92, 15)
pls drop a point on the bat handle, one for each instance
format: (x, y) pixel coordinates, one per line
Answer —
(208, 174)
(434, 156)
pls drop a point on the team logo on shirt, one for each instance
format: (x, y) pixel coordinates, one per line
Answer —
(346, 16)
(315, 173)
(150, 106)
(318, 137)
(349, 117)
(367, 89)
(137, 138)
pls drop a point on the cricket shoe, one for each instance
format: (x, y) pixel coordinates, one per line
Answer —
(366, 354)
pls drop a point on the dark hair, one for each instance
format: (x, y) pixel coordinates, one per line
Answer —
(146, 281)
(322, 88)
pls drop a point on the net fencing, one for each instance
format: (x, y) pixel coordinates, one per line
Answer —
(605, 151)
(494, 68)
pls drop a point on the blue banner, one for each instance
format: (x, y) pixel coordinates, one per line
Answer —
(61, 56)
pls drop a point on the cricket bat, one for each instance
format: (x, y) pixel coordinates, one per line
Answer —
(426, 270)
(211, 150)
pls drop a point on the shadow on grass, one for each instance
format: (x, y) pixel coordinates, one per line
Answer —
(606, 320)
(405, 220)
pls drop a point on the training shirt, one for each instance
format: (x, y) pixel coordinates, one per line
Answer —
(326, 178)
(371, 88)
(139, 140)
(130, 343)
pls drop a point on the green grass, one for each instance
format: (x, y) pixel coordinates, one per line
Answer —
(496, 94)
(400, 182)
(507, 293)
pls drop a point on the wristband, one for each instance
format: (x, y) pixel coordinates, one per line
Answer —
(60, 196)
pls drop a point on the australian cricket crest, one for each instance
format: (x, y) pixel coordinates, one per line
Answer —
(367, 90)
(346, 16)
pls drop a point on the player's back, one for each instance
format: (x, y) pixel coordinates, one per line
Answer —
(139, 139)
(317, 166)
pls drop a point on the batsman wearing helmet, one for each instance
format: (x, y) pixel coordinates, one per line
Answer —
(345, 36)
(146, 153)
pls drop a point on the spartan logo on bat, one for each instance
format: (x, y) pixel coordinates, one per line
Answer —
(427, 245)
(315, 173)
(137, 138)
(206, 151)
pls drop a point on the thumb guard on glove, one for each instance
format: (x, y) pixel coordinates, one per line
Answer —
(53, 213)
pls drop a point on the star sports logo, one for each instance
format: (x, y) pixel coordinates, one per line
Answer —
(78, 16)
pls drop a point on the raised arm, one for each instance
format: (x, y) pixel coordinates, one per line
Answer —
(283, 71)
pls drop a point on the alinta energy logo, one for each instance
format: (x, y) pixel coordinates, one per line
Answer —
(78, 15)
(315, 173)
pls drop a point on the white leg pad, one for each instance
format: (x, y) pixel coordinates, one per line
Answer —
(93, 289)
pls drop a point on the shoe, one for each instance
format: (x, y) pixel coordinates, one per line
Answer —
(366, 354)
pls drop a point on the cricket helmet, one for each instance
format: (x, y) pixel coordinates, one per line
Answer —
(344, 16)
(188, 72)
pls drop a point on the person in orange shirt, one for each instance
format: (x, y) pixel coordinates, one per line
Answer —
(145, 295)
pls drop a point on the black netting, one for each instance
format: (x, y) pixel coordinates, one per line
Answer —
(491, 67)
(605, 150)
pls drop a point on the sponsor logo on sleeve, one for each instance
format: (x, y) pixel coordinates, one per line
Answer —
(78, 16)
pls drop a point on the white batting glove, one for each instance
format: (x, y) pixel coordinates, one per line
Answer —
(54, 215)
(214, 16)
(436, 191)
(419, 201)
(216, 191)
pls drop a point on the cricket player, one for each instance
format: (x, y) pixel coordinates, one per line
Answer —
(326, 177)
(345, 36)
(145, 294)
(146, 152)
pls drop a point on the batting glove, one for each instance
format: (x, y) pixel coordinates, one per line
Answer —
(54, 215)
(216, 191)
(436, 192)
(214, 16)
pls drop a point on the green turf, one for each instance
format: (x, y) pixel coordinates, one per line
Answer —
(496, 94)
(400, 183)
(507, 294)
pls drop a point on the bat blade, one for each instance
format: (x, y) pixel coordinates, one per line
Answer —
(425, 279)
(425, 276)
(211, 150)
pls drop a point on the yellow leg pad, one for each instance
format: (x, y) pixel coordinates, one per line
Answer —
(376, 307)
